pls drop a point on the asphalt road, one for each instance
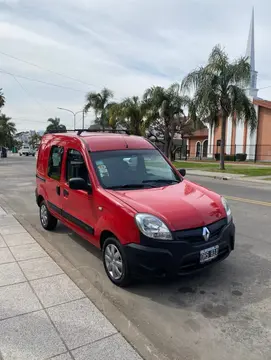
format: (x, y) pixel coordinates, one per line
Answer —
(221, 313)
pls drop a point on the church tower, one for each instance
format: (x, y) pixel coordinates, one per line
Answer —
(250, 53)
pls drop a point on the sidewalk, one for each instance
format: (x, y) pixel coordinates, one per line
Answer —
(227, 176)
(43, 314)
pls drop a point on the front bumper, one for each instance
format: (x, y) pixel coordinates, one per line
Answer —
(160, 258)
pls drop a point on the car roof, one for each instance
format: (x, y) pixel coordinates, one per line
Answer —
(102, 141)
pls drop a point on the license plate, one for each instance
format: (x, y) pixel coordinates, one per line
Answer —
(209, 254)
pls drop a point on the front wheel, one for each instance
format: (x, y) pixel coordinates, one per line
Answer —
(48, 221)
(115, 262)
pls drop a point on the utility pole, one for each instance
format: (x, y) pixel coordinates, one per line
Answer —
(83, 120)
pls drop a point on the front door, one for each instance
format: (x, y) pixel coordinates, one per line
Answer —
(78, 206)
(53, 181)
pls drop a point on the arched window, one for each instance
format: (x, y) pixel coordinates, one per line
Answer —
(198, 149)
(205, 148)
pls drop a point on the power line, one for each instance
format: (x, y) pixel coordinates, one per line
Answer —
(49, 70)
(28, 120)
(27, 92)
(59, 74)
(40, 81)
(266, 87)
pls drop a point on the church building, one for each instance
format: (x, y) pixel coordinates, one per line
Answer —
(205, 143)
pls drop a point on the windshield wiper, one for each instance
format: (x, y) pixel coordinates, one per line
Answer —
(171, 181)
(127, 186)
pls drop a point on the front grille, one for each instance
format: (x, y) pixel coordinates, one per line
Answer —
(194, 236)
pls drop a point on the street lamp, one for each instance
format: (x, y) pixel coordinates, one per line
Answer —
(74, 116)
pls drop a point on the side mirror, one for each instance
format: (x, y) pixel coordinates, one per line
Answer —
(79, 184)
(182, 172)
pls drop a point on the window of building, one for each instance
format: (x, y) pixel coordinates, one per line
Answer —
(55, 162)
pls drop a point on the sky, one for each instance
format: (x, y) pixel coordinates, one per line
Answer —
(125, 45)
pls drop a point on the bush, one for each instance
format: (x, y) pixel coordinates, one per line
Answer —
(241, 157)
(230, 158)
(226, 158)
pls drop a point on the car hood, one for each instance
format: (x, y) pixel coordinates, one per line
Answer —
(182, 206)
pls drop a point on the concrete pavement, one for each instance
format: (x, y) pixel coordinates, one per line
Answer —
(221, 313)
(43, 314)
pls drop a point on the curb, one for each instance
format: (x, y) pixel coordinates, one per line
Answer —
(243, 178)
(211, 176)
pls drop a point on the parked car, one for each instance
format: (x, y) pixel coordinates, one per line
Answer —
(151, 221)
(26, 150)
(3, 152)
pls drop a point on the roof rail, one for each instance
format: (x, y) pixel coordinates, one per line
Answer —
(57, 131)
(80, 131)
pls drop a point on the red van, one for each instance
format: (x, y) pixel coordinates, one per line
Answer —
(123, 195)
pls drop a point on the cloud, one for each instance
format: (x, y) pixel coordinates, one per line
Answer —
(126, 45)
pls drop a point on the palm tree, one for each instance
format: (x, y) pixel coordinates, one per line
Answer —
(115, 115)
(99, 102)
(135, 114)
(2, 99)
(7, 131)
(219, 92)
(34, 140)
(167, 112)
(55, 125)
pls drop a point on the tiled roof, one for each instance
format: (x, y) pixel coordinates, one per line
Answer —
(198, 133)
(263, 103)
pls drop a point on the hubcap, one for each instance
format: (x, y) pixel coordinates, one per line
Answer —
(44, 215)
(113, 261)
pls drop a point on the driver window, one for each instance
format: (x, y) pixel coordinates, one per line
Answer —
(76, 166)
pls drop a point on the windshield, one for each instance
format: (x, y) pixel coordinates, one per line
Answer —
(133, 169)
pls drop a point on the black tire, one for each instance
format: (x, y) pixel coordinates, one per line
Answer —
(20, 154)
(49, 222)
(125, 278)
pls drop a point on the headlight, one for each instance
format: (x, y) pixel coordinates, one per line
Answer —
(227, 208)
(152, 227)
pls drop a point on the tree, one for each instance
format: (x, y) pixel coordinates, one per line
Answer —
(55, 125)
(2, 99)
(167, 113)
(134, 115)
(99, 102)
(115, 115)
(219, 92)
(7, 131)
(34, 140)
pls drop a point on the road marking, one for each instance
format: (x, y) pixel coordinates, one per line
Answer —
(250, 201)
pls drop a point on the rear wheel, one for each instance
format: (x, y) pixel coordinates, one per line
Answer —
(115, 262)
(48, 221)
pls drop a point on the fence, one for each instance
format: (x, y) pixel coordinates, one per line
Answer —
(232, 152)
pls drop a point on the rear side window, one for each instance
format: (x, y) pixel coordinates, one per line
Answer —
(55, 162)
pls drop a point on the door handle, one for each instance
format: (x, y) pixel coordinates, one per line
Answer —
(65, 193)
(58, 190)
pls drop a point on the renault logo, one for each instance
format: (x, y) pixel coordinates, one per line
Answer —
(205, 233)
